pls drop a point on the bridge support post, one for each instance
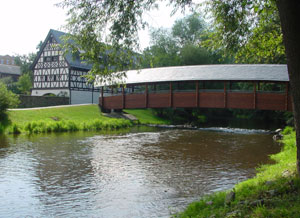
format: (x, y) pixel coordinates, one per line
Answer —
(287, 96)
(171, 95)
(254, 95)
(123, 97)
(197, 93)
(102, 99)
(225, 95)
(146, 95)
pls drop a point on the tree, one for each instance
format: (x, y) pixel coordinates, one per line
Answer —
(25, 61)
(90, 19)
(289, 16)
(24, 84)
(7, 100)
(189, 30)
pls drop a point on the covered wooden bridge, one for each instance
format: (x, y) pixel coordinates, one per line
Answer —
(262, 87)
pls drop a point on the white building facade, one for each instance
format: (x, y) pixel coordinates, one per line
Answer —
(62, 75)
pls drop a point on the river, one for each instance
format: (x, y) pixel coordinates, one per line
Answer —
(141, 172)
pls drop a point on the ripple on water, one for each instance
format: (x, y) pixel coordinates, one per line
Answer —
(142, 174)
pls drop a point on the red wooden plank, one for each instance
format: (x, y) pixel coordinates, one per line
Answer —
(184, 99)
(158, 100)
(270, 101)
(211, 99)
(240, 100)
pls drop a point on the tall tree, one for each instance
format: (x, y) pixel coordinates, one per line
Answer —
(289, 16)
(89, 20)
(189, 30)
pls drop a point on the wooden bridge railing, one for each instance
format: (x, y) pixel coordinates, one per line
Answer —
(199, 98)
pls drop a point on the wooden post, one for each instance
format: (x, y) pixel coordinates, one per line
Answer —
(171, 95)
(123, 98)
(254, 95)
(225, 95)
(197, 93)
(146, 95)
(102, 99)
(287, 96)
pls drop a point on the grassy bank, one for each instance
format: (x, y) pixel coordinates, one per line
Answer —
(273, 192)
(69, 119)
(147, 116)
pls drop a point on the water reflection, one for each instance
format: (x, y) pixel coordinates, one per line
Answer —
(134, 174)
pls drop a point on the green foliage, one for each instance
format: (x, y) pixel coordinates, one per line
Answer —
(189, 30)
(71, 126)
(249, 31)
(24, 84)
(25, 62)
(179, 46)
(7, 100)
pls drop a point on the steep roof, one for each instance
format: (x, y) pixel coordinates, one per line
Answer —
(230, 72)
(10, 69)
(72, 61)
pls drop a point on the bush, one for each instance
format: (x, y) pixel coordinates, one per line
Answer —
(7, 100)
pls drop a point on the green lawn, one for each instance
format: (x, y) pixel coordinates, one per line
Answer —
(147, 116)
(62, 119)
(75, 113)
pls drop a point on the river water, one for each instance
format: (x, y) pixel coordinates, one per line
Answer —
(143, 172)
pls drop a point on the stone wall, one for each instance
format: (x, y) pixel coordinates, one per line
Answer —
(27, 101)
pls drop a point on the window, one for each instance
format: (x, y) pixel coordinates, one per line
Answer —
(54, 77)
(51, 58)
(46, 78)
(48, 59)
(55, 58)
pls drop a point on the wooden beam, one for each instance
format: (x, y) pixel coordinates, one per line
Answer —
(102, 99)
(123, 97)
(197, 93)
(286, 96)
(254, 95)
(225, 95)
(171, 95)
(146, 95)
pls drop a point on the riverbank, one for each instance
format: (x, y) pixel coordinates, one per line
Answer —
(69, 119)
(273, 192)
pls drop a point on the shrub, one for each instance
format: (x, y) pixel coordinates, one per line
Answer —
(7, 100)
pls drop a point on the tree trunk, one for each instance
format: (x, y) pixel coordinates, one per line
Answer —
(289, 12)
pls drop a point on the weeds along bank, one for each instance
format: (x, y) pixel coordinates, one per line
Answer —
(68, 126)
(70, 119)
(64, 119)
(273, 192)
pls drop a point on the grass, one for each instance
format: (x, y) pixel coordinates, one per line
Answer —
(70, 119)
(273, 192)
(76, 113)
(147, 116)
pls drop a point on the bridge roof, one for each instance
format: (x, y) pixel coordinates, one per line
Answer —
(229, 72)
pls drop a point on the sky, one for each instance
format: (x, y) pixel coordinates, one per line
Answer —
(24, 23)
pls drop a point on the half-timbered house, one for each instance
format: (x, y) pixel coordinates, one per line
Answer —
(61, 75)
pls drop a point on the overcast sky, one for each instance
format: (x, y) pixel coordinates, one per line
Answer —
(24, 23)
